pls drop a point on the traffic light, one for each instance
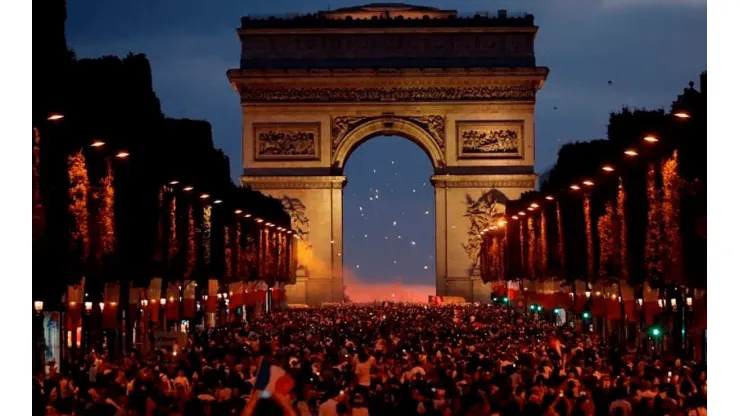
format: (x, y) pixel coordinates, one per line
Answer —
(532, 307)
(539, 308)
(586, 315)
(655, 332)
(505, 299)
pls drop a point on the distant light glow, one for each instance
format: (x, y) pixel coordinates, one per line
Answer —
(607, 168)
(630, 152)
(650, 139)
(97, 143)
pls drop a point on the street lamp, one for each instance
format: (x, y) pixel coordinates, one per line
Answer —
(101, 305)
(122, 154)
(55, 117)
(38, 306)
(681, 114)
(607, 168)
(88, 306)
(631, 152)
(650, 138)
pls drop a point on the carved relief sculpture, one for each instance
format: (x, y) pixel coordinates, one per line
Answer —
(286, 141)
(342, 126)
(494, 139)
(482, 213)
(300, 225)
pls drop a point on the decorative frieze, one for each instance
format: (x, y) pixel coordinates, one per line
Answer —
(288, 141)
(522, 92)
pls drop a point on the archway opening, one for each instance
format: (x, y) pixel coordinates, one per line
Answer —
(388, 222)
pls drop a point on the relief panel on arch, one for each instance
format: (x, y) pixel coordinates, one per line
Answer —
(287, 141)
(490, 139)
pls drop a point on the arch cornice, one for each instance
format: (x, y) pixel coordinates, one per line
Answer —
(407, 127)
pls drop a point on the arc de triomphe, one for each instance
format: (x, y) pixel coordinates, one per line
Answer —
(313, 88)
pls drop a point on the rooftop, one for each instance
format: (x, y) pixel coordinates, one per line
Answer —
(388, 15)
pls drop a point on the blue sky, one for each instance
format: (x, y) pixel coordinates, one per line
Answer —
(649, 49)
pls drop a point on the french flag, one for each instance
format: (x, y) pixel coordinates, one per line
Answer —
(273, 379)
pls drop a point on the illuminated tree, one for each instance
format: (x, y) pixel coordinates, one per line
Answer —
(79, 185)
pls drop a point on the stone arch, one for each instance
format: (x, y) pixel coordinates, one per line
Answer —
(387, 126)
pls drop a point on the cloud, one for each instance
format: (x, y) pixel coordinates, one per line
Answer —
(613, 4)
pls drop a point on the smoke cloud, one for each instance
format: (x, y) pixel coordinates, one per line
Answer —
(363, 292)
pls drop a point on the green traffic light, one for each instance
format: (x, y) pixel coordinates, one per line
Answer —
(495, 299)
(656, 332)
(539, 308)
(586, 315)
(506, 299)
(531, 307)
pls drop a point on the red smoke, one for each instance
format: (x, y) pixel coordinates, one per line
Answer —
(362, 292)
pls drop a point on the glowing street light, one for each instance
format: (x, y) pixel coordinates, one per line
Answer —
(607, 168)
(501, 223)
(218, 201)
(101, 305)
(122, 154)
(514, 217)
(97, 143)
(174, 182)
(650, 138)
(237, 211)
(204, 196)
(630, 152)
(55, 116)
(247, 215)
(575, 187)
(681, 114)
(535, 205)
(38, 306)
(588, 182)
(530, 209)
(550, 198)
(259, 220)
(522, 213)
(187, 188)
(88, 306)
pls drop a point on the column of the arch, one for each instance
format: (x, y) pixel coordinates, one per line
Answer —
(337, 249)
(440, 238)
(319, 278)
(455, 196)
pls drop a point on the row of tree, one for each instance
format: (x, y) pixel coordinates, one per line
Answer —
(602, 213)
(102, 152)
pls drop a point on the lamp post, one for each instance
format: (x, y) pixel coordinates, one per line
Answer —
(86, 327)
(40, 344)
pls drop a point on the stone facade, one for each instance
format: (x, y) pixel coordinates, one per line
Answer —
(476, 125)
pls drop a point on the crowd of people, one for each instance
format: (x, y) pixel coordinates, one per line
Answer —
(382, 359)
